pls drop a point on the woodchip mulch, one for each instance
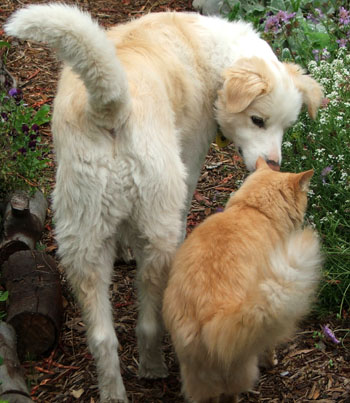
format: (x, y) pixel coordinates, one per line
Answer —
(310, 369)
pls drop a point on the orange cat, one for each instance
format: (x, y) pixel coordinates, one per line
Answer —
(240, 283)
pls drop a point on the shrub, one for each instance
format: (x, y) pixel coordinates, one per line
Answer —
(23, 155)
(325, 146)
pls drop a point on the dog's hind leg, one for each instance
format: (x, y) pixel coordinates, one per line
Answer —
(151, 281)
(90, 282)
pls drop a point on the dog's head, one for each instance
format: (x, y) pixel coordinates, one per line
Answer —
(258, 101)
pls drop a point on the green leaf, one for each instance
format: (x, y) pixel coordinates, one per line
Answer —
(4, 44)
(278, 5)
(4, 296)
(41, 116)
(319, 39)
(1, 361)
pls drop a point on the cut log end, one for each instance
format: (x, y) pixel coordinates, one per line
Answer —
(36, 334)
(11, 247)
(35, 301)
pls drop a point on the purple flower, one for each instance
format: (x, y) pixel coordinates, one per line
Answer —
(325, 54)
(344, 16)
(272, 24)
(4, 116)
(33, 136)
(35, 127)
(32, 145)
(16, 94)
(13, 92)
(316, 54)
(23, 150)
(25, 128)
(326, 170)
(342, 42)
(329, 334)
(284, 16)
(312, 18)
(319, 12)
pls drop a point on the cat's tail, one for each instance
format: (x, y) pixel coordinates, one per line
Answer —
(82, 44)
(295, 267)
(271, 311)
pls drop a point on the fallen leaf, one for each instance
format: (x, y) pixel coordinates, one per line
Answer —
(77, 393)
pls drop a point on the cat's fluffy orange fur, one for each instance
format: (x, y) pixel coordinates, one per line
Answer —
(240, 283)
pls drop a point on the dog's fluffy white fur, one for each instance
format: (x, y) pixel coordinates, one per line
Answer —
(136, 110)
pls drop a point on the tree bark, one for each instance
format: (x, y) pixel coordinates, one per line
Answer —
(35, 301)
(12, 386)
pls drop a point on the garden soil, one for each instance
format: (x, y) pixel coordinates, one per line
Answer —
(311, 367)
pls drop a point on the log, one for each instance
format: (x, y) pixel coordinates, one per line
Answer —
(35, 301)
(12, 386)
(24, 220)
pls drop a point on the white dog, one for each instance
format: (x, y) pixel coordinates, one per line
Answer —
(136, 110)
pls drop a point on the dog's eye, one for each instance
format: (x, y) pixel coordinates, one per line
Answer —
(258, 121)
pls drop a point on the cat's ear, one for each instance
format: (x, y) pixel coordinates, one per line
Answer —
(261, 163)
(303, 180)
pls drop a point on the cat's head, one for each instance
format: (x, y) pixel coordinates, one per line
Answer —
(278, 195)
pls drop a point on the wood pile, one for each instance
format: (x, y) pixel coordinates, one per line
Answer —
(34, 307)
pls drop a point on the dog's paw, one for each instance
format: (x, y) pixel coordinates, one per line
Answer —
(119, 397)
(268, 359)
(153, 372)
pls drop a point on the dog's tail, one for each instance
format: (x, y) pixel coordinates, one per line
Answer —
(82, 44)
(271, 311)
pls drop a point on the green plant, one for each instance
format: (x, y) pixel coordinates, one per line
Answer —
(23, 155)
(324, 145)
(298, 30)
(3, 297)
(318, 337)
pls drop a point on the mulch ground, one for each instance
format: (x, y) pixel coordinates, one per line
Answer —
(311, 367)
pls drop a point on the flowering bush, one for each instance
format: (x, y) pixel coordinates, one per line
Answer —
(22, 153)
(298, 30)
(324, 145)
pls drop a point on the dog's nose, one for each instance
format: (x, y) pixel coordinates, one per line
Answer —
(275, 166)
(240, 152)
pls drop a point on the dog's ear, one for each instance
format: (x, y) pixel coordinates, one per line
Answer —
(244, 82)
(311, 90)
